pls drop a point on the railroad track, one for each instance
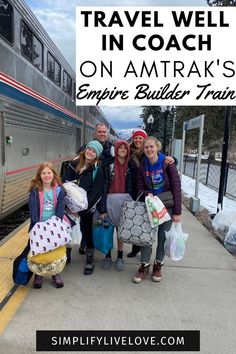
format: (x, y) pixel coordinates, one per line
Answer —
(11, 222)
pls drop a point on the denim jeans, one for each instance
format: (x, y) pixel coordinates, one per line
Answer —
(146, 251)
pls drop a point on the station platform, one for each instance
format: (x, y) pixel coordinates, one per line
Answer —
(197, 293)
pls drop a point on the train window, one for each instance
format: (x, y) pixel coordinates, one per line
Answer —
(38, 54)
(6, 20)
(57, 73)
(26, 41)
(31, 47)
(51, 69)
(54, 70)
(67, 83)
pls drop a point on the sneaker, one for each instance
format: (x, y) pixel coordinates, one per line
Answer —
(156, 272)
(142, 273)
(106, 263)
(119, 264)
(38, 281)
(57, 281)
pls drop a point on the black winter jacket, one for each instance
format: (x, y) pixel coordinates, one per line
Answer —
(93, 186)
(106, 159)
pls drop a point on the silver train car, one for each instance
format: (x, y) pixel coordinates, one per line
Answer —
(39, 120)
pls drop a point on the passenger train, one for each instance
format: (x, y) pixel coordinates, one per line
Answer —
(39, 120)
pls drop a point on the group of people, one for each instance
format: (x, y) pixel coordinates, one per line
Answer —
(136, 169)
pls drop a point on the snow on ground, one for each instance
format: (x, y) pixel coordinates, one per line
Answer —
(208, 197)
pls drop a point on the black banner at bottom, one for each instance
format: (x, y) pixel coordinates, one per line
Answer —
(118, 341)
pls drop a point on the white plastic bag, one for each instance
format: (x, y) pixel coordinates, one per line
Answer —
(76, 234)
(175, 242)
(76, 197)
(222, 221)
(157, 211)
(230, 238)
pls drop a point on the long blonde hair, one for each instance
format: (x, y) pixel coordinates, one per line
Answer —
(38, 183)
(82, 162)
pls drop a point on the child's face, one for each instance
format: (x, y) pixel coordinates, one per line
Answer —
(47, 176)
(122, 151)
(90, 154)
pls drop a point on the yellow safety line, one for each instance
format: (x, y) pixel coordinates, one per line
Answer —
(12, 306)
(9, 250)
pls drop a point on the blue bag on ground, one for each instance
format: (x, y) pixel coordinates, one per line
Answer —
(103, 235)
(21, 273)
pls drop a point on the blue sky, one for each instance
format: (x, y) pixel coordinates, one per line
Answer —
(58, 18)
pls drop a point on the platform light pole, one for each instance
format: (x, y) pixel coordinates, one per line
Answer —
(173, 129)
(165, 110)
(225, 144)
(150, 122)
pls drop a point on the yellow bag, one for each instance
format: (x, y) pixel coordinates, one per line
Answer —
(48, 257)
(49, 263)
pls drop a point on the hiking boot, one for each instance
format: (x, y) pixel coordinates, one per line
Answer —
(38, 281)
(142, 273)
(156, 272)
(89, 266)
(82, 250)
(119, 264)
(68, 255)
(106, 263)
(135, 250)
(57, 281)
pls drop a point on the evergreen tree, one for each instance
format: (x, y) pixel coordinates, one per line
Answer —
(160, 120)
(221, 2)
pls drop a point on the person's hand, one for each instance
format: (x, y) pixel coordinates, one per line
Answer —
(176, 218)
(150, 195)
(69, 212)
(102, 216)
(169, 160)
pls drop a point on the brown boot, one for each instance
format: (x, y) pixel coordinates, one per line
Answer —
(156, 272)
(142, 273)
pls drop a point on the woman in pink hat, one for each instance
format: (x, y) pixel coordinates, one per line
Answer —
(136, 156)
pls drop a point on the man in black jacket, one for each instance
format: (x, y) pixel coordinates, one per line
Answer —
(106, 159)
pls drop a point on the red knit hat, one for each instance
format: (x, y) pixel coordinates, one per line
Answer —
(139, 132)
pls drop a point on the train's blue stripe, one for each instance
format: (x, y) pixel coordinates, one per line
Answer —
(24, 98)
